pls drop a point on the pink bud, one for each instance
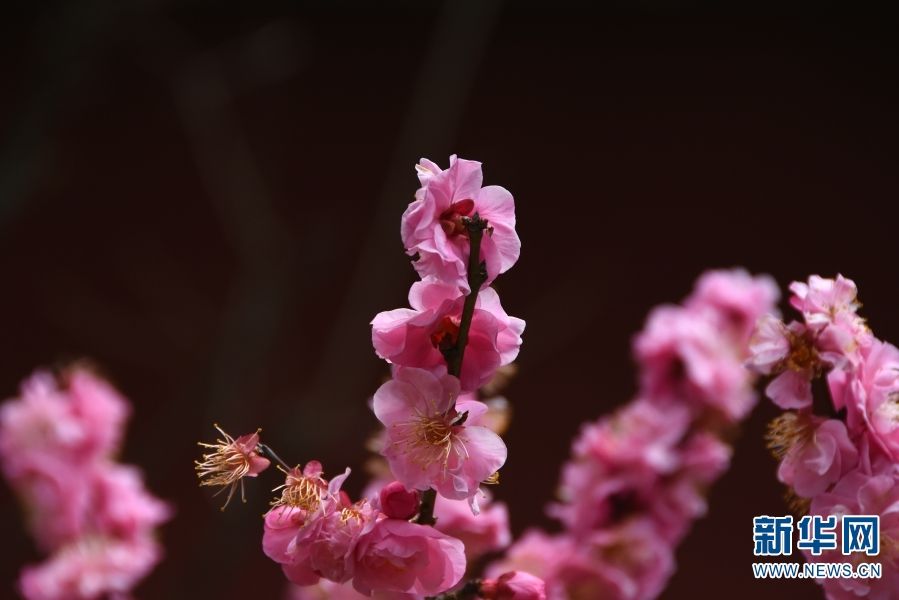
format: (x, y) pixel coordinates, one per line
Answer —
(514, 585)
(397, 502)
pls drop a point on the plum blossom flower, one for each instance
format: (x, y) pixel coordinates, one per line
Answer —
(399, 556)
(796, 354)
(433, 226)
(634, 558)
(829, 308)
(121, 504)
(627, 561)
(822, 301)
(737, 299)
(683, 354)
(617, 462)
(303, 532)
(815, 452)
(49, 423)
(514, 585)
(870, 393)
(93, 516)
(417, 337)
(229, 462)
(428, 442)
(860, 493)
(91, 568)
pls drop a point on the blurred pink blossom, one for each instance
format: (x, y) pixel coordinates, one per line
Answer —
(91, 568)
(736, 298)
(93, 515)
(485, 532)
(683, 355)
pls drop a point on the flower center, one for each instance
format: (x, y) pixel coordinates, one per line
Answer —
(446, 334)
(452, 218)
(435, 432)
(227, 465)
(787, 431)
(300, 492)
(803, 356)
(890, 408)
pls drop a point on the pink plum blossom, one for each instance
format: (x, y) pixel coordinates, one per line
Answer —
(418, 336)
(399, 556)
(337, 532)
(535, 552)
(93, 516)
(860, 493)
(121, 504)
(822, 300)
(679, 499)
(629, 561)
(634, 557)
(871, 392)
(486, 532)
(91, 568)
(683, 354)
(100, 407)
(312, 530)
(818, 459)
(617, 463)
(738, 297)
(793, 352)
(428, 442)
(49, 423)
(514, 585)
(829, 307)
(434, 232)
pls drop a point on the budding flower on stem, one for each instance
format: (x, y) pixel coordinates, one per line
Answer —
(230, 461)
(399, 503)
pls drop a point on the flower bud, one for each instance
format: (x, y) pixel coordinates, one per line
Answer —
(397, 502)
(514, 585)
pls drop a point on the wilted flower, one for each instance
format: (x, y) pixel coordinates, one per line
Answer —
(229, 462)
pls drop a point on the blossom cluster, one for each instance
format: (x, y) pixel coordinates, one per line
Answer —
(637, 478)
(90, 514)
(316, 532)
(420, 523)
(838, 452)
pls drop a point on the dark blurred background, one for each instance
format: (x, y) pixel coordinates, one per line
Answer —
(204, 197)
